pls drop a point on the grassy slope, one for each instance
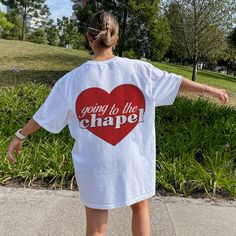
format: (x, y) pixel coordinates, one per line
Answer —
(46, 64)
(39, 63)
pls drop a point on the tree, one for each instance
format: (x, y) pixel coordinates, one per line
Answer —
(120, 10)
(5, 25)
(231, 52)
(28, 8)
(15, 32)
(142, 29)
(69, 34)
(38, 36)
(204, 25)
(52, 33)
(147, 29)
(177, 51)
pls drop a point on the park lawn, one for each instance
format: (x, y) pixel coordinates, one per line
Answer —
(204, 76)
(36, 62)
(46, 64)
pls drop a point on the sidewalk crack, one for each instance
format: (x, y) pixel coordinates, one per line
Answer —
(170, 218)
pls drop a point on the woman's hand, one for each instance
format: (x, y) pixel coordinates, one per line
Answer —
(191, 86)
(15, 145)
(219, 93)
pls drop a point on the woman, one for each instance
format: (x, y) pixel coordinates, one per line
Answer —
(109, 105)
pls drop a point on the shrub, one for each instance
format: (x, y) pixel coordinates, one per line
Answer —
(196, 144)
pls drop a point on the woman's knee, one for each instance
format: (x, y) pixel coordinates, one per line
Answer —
(96, 220)
(140, 205)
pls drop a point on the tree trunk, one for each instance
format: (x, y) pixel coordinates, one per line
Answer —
(23, 28)
(194, 74)
(121, 46)
(234, 69)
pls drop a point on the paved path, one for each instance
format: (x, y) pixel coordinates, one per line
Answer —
(30, 212)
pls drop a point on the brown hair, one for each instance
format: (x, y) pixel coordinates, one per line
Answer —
(104, 28)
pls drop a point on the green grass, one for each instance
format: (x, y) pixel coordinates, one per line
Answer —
(212, 78)
(36, 62)
(196, 139)
(196, 145)
(45, 64)
(44, 156)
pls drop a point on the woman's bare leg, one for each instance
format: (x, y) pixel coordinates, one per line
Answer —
(140, 219)
(96, 221)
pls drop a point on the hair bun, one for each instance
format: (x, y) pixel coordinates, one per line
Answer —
(108, 24)
(103, 28)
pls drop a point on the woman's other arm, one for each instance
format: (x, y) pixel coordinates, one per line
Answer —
(16, 143)
(191, 86)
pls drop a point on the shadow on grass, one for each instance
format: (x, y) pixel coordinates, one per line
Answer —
(56, 58)
(47, 77)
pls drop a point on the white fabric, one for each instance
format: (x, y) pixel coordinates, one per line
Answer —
(109, 107)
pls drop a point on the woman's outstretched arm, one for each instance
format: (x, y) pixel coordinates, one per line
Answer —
(191, 86)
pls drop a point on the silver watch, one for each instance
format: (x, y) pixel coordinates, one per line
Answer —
(19, 135)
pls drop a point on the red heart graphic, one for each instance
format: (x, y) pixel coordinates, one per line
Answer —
(112, 116)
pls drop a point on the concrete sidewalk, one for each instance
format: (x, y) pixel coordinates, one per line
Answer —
(30, 212)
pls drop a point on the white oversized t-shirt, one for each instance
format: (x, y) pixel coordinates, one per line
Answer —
(109, 107)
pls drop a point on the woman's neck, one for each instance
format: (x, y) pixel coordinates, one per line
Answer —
(102, 55)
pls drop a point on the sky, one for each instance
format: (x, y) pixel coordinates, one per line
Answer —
(60, 8)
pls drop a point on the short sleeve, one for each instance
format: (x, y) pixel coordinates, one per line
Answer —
(164, 86)
(53, 113)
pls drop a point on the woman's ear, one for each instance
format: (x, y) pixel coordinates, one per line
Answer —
(89, 37)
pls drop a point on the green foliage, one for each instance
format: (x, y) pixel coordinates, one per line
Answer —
(230, 53)
(28, 8)
(196, 143)
(83, 15)
(178, 50)
(38, 36)
(69, 34)
(16, 31)
(5, 25)
(200, 28)
(52, 33)
(142, 28)
(44, 157)
(147, 30)
(196, 140)
(130, 54)
(196, 147)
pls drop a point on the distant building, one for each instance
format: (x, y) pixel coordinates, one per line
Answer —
(33, 23)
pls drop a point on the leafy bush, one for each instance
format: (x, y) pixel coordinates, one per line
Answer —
(44, 156)
(196, 145)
